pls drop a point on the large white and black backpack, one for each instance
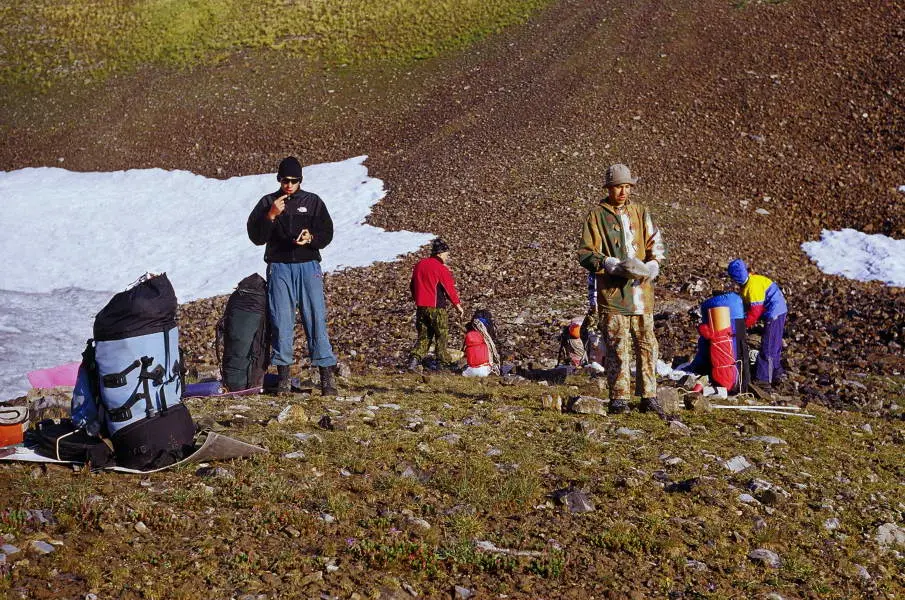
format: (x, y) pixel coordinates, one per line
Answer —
(132, 376)
(243, 336)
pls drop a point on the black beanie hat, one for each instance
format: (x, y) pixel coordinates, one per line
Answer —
(289, 167)
(438, 246)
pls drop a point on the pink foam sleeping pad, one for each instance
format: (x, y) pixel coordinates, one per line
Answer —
(54, 376)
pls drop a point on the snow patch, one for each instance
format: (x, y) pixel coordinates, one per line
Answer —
(860, 256)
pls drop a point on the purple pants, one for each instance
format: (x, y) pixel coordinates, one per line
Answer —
(767, 368)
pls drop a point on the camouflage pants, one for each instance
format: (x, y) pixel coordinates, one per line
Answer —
(623, 335)
(432, 325)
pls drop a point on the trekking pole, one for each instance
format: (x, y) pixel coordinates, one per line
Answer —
(756, 407)
(770, 410)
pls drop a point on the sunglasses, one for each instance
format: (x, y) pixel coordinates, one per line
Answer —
(290, 180)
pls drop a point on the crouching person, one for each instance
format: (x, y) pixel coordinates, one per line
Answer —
(295, 226)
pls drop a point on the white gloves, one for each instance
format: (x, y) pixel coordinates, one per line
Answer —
(632, 268)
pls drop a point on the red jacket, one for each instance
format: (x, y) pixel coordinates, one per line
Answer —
(432, 284)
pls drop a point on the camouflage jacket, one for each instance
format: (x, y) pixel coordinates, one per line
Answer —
(621, 233)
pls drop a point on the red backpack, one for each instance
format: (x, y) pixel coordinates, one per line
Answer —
(476, 352)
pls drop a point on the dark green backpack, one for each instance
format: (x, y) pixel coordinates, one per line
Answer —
(243, 336)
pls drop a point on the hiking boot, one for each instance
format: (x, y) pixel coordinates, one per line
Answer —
(328, 386)
(284, 386)
(617, 407)
(414, 364)
(652, 405)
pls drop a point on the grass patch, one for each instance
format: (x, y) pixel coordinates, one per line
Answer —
(413, 503)
(50, 41)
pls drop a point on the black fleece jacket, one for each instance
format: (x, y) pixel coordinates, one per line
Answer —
(304, 210)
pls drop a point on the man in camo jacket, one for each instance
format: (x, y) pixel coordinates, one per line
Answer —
(623, 248)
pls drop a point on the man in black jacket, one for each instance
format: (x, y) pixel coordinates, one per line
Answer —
(295, 225)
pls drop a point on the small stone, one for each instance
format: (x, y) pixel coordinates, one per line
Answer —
(418, 523)
(866, 428)
(293, 415)
(697, 402)
(669, 399)
(42, 547)
(549, 402)
(411, 591)
(462, 593)
(747, 499)
(140, 527)
(294, 455)
(312, 578)
(343, 370)
(695, 565)
(628, 482)
(589, 405)
(890, 534)
(9, 549)
(737, 464)
(679, 427)
(862, 572)
(348, 399)
(574, 500)
(768, 558)
(214, 472)
(766, 439)
(307, 437)
(632, 433)
(671, 461)
(365, 414)
(327, 518)
(831, 524)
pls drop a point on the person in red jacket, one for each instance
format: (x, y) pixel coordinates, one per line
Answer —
(433, 289)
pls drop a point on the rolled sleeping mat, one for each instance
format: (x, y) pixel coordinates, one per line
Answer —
(203, 388)
(719, 318)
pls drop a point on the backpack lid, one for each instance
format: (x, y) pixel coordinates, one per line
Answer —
(250, 295)
(148, 307)
(253, 282)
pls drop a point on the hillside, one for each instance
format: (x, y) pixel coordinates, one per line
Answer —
(722, 107)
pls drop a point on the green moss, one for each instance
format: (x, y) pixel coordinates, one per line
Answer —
(51, 41)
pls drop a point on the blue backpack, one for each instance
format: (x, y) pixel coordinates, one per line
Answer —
(130, 382)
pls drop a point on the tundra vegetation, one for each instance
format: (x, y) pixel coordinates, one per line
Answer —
(51, 41)
(424, 483)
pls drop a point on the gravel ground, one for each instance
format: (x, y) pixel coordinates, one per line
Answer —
(722, 108)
